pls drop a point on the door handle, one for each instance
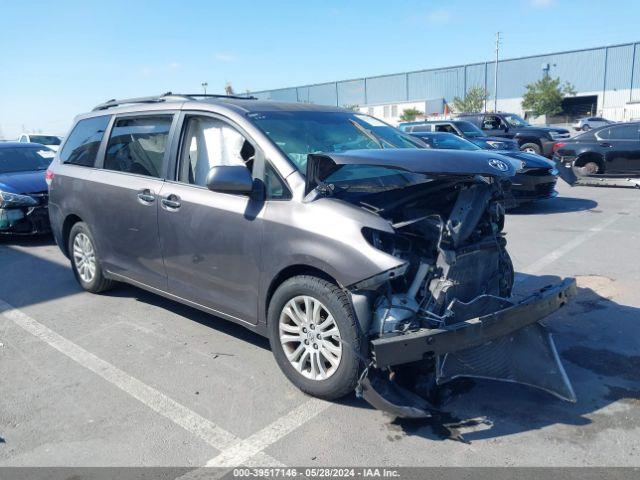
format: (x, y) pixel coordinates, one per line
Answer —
(172, 202)
(146, 196)
(604, 144)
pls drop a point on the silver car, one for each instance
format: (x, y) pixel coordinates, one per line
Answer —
(355, 248)
(589, 123)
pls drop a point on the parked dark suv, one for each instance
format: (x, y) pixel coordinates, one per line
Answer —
(354, 248)
(531, 138)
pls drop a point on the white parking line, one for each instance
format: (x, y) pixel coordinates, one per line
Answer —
(554, 255)
(256, 443)
(203, 428)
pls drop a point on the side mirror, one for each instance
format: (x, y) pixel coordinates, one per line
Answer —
(504, 127)
(230, 179)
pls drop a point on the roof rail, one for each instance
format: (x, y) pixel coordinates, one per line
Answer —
(168, 96)
(216, 95)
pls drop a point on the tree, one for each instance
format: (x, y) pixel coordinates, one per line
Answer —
(472, 102)
(410, 114)
(544, 97)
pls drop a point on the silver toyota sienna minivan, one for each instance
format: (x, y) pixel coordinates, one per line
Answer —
(355, 248)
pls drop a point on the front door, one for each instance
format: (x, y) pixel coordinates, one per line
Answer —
(211, 241)
(125, 193)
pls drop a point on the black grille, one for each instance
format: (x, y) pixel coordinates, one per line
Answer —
(537, 172)
(545, 188)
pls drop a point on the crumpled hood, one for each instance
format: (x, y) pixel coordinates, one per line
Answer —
(23, 182)
(424, 161)
(531, 160)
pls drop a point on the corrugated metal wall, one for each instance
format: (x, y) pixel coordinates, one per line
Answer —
(613, 70)
(635, 75)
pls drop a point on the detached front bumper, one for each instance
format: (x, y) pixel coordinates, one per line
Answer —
(24, 220)
(507, 344)
(414, 346)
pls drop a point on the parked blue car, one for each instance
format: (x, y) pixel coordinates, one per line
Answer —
(535, 180)
(23, 188)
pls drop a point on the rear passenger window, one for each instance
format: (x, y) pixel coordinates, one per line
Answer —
(624, 132)
(137, 145)
(82, 145)
(445, 128)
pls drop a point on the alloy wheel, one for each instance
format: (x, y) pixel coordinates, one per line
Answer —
(310, 337)
(84, 257)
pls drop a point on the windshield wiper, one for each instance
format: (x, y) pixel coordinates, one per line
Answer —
(375, 138)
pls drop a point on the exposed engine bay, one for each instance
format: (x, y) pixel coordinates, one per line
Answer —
(449, 232)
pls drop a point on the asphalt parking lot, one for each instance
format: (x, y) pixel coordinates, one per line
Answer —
(130, 379)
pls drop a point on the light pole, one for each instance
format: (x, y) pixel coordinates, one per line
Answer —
(204, 87)
(495, 79)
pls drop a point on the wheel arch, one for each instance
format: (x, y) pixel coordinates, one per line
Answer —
(69, 221)
(290, 272)
(583, 158)
(528, 139)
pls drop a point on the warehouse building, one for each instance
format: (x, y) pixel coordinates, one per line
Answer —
(606, 81)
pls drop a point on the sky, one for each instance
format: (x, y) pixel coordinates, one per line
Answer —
(61, 58)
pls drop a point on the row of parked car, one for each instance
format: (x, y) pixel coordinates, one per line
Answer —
(603, 151)
(502, 131)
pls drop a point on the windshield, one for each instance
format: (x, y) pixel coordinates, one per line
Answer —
(449, 141)
(298, 133)
(469, 129)
(45, 139)
(24, 159)
(516, 121)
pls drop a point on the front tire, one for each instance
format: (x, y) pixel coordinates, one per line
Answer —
(531, 148)
(84, 260)
(314, 336)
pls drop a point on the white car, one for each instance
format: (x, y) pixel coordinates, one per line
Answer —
(51, 141)
(587, 123)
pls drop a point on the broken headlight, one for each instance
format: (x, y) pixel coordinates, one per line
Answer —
(387, 242)
(10, 200)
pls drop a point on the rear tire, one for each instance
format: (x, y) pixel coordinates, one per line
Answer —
(85, 262)
(306, 348)
(531, 148)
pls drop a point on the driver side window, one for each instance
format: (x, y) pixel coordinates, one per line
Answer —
(209, 142)
(491, 122)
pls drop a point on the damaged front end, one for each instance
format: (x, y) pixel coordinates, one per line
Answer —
(447, 311)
